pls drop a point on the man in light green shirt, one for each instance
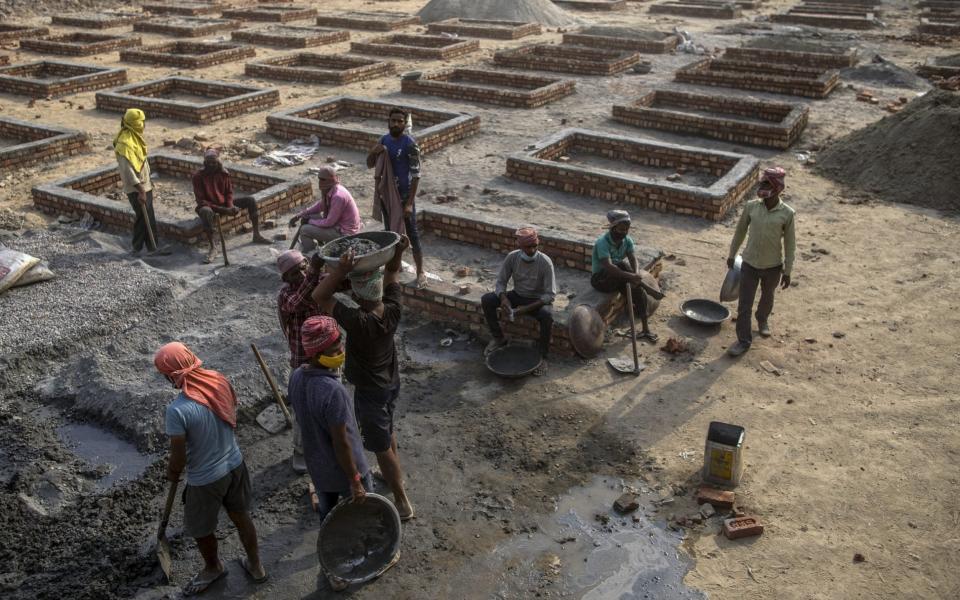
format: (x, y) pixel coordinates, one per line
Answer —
(768, 257)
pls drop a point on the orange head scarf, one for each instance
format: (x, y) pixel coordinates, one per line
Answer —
(203, 386)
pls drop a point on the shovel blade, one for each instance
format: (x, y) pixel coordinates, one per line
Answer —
(163, 557)
(272, 419)
(625, 365)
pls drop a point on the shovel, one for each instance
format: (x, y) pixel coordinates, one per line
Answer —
(269, 421)
(163, 545)
(622, 365)
(223, 243)
(146, 219)
(296, 236)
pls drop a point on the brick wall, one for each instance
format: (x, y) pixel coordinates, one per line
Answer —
(456, 84)
(187, 26)
(320, 68)
(664, 110)
(736, 172)
(62, 78)
(234, 99)
(273, 195)
(814, 60)
(39, 143)
(829, 21)
(938, 28)
(291, 37)
(188, 55)
(764, 77)
(356, 21)
(499, 30)
(431, 47)
(190, 9)
(80, 44)
(99, 20)
(10, 32)
(667, 44)
(598, 5)
(719, 11)
(567, 59)
(433, 129)
(276, 14)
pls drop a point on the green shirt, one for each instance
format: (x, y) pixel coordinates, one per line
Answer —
(772, 241)
(604, 248)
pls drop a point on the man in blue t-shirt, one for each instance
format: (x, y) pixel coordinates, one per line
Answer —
(404, 156)
(615, 266)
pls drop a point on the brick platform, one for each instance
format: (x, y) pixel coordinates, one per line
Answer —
(434, 129)
(217, 99)
(774, 78)
(80, 44)
(4, 59)
(88, 192)
(490, 87)
(190, 9)
(338, 69)
(427, 47)
(567, 59)
(280, 13)
(735, 173)
(935, 27)
(37, 143)
(598, 5)
(835, 9)
(290, 36)
(667, 42)
(826, 20)
(813, 60)
(10, 32)
(704, 11)
(52, 78)
(932, 68)
(187, 26)
(498, 30)
(370, 21)
(732, 119)
(99, 20)
(188, 55)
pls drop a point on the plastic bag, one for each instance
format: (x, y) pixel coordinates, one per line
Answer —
(39, 272)
(13, 265)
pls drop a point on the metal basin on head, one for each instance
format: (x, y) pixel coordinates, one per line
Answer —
(387, 240)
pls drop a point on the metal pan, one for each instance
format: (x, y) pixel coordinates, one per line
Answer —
(730, 290)
(705, 312)
(514, 362)
(387, 240)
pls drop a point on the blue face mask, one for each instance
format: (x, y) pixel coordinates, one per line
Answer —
(526, 258)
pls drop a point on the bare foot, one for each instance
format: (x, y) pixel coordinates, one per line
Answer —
(259, 239)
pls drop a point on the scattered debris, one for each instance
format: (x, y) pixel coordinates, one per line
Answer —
(769, 367)
(626, 503)
(676, 346)
(859, 558)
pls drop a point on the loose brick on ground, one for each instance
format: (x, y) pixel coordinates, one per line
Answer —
(491, 87)
(721, 499)
(741, 527)
(337, 69)
(80, 43)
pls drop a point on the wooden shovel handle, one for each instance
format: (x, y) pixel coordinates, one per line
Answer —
(273, 385)
(167, 509)
(633, 329)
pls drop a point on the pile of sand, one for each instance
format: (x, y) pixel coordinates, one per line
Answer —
(881, 71)
(544, 12)
(910, 156)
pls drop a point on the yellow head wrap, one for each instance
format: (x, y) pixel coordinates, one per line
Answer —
(129, 142)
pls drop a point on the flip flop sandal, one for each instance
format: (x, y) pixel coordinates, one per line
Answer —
(198, 586)
(649, 336)
(245, 563)
(407, 516)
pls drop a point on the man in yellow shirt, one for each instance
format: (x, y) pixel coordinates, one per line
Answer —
(768, 257)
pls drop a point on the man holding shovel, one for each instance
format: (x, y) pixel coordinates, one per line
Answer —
(130, 149)
(200, 423)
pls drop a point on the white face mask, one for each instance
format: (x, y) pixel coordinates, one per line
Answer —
(526, 258)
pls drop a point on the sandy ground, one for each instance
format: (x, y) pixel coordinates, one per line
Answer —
(850, 449)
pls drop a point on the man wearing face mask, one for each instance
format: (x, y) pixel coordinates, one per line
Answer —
(371, 361)
(534, 289)
(768, 257)
(334, 215)
(615, 266)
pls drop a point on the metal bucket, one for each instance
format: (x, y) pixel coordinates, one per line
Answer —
(359, 541)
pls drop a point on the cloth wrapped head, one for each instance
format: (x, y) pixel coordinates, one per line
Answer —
(615, 217)
(203, 386)
(319, 333)
(129, 142)
(527, 236)
(368, 286)
(774, 177)
(288, 260)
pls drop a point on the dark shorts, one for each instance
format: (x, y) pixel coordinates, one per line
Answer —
(202, 502)
(374, 409)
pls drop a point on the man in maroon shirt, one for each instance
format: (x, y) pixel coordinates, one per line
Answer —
(213, 190)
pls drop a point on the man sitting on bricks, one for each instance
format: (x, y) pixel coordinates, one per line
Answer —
(213, 191)
(334, 215)
(534, 289)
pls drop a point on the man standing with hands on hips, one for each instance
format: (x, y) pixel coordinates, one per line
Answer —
(768, 257)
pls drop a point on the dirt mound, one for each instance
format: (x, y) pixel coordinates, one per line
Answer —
(907, 157)
(883, 72)
(544, 12)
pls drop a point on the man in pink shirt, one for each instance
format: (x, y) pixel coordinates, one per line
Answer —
(334, 216)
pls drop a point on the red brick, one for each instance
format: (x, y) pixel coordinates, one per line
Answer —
(718, 498)
(740, 527)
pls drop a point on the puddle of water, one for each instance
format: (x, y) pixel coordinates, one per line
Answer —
(577, 555)
(101, 448)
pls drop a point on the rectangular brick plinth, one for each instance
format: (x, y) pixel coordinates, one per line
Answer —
(491, 87)
(428, 47)
(598, 5)
(10, 32)
(835, 9)
(90, 192)
(279, 13)
(567, 59)
(689, 9)
(830, 21)
(187, 26)
(99, 20)
(651, 43)
(370, 21)
(479, 28)
(189, 55)
(435, 129)
(290, 36)
(779, 78)
(52, 78)
(932, 68)
(338, 69)
(723, 117)
(214, 100)
(37, 143)
(189, 9)
(80, 44)
(734, 173)
(939, 27)
(813, 60)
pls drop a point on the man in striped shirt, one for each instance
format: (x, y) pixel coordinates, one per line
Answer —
(534, 289)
